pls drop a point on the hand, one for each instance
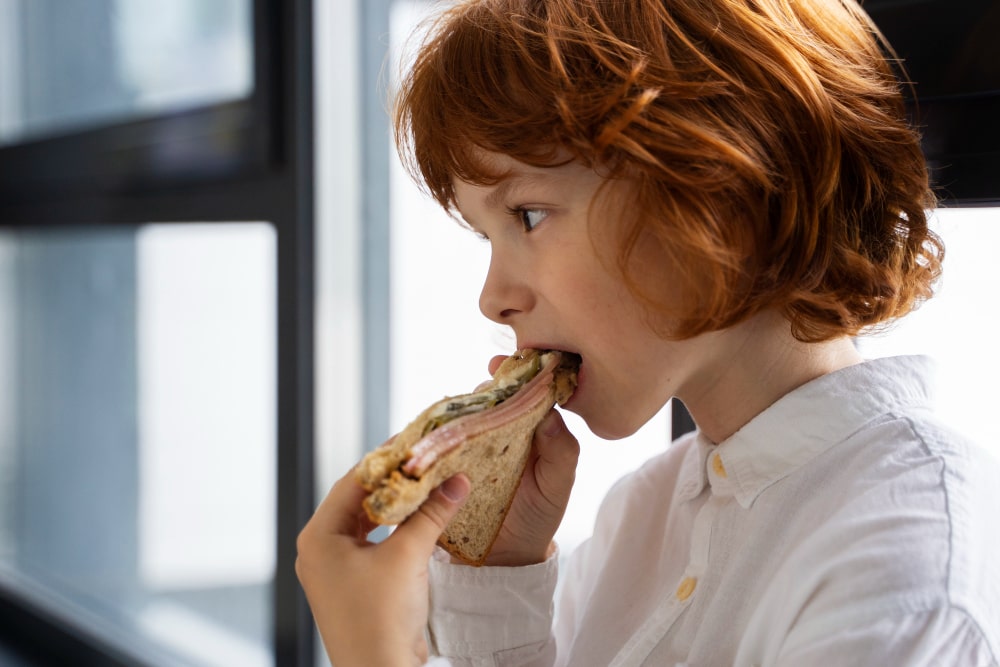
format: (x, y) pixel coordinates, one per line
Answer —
(370, 601)
(540, 503)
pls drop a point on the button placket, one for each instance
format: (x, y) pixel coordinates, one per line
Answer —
(652, 632)
(701, 539)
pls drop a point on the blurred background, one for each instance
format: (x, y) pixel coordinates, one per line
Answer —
(218, 290)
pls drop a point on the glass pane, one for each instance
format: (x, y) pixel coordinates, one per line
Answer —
(138, 438)
(958, 326)
(72, 64)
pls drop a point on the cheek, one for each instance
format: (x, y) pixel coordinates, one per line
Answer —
(644, 282)
(621, 304)
(661, 290)
(592, 295)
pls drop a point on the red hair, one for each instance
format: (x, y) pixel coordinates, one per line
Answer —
(763, 143)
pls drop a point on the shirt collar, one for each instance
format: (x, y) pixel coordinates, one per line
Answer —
(692, 474)
(803, 424)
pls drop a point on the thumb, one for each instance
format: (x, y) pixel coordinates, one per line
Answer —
(425, 526)
(555, 444)
(557, 452)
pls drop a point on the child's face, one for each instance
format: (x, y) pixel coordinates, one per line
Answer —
(548, 282)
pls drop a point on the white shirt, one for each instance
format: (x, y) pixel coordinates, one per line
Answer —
(843, 525)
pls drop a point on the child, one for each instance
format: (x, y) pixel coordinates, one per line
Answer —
(705, 199)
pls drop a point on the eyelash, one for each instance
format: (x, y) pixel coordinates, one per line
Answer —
(521, 213)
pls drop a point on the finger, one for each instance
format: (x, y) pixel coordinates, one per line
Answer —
(495, 363)
(341, 512)
(557, 452)
(493, 366)
(422, 529)
(555, 442)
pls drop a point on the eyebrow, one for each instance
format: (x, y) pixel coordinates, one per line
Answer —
(502, 190)
(511, 183)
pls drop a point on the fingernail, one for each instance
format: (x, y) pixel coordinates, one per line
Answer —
(455, 488)
(552, 425)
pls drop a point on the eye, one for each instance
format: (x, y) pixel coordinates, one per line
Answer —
(529, 217)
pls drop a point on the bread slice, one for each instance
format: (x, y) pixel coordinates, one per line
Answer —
(491, 447)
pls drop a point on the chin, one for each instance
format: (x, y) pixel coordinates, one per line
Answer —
(612, 420)
(607, 428)
(613, 434)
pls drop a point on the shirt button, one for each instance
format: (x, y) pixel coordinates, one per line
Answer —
(686, 588)
(717, 466)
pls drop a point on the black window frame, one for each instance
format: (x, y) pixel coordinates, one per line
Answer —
(952, 103)
(258, 167)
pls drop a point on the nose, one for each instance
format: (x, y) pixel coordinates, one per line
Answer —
(506, 293)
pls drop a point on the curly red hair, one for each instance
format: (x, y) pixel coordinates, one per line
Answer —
(764, 145)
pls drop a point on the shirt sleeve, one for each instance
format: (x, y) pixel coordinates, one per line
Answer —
(946, 636)
(491, 616)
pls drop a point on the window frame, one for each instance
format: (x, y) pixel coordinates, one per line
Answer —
(263, 171)
(960, 138)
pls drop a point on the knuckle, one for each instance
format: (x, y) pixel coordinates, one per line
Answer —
(303, 559)
(301, 547)
(303, 542)
(436, 514)
(300, 568)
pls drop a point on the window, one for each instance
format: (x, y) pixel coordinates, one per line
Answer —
(206, 324)
(66, 66)
(957, 327)
(142, 436)
(156, 240)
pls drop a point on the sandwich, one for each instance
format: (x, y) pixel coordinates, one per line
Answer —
(485, 434)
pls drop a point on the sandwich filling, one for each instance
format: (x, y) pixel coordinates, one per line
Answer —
(522, 380)
(504, 385)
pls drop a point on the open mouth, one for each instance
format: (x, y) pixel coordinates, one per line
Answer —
(570, 379)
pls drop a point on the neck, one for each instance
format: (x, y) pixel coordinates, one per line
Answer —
(757, 362)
